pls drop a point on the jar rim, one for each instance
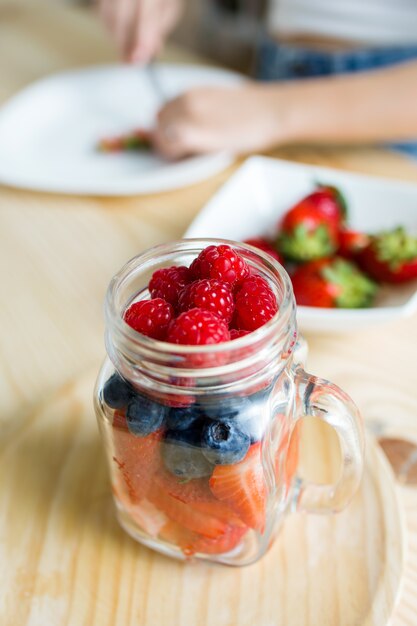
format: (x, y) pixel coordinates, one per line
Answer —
(257, 257)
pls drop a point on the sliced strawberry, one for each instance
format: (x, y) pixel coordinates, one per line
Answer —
(219, 510)
(197, 493)
(243, 487)
(186, 514)
(191, 543)
(145, 514)
(136, 458)
(190, 491)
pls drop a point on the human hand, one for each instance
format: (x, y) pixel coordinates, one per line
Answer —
(140, 27)
(211, 119)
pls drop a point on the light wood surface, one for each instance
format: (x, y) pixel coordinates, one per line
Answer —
(57, 255)
(75, 565)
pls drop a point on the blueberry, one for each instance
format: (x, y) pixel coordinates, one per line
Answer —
(223, 442)
(117, 392)
(144, 416)
(182, 454)
(182, 418)
(247, 414)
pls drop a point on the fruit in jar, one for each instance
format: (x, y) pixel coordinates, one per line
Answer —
(167, 282)
(223, 442)
(150, 317)
(182, 453)
(209, 294)
(220, 262)
(242, 486)
(198, 327)
(144, 415)
(117, 392)
(255, 303)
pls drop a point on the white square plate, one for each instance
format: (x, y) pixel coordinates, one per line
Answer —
(49, 131)
(262, 190)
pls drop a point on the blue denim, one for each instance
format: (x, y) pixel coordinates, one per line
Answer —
(285, 62)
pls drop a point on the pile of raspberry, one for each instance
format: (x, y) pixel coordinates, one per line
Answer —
(218, 298)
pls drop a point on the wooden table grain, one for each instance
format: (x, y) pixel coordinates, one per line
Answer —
(57, 254)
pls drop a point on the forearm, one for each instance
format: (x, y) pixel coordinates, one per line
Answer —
(365, 107)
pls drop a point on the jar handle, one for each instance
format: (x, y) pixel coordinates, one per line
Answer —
(323, 400)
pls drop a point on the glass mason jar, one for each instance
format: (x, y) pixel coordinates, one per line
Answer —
(163, 408)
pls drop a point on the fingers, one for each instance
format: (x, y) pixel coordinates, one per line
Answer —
(180, 132)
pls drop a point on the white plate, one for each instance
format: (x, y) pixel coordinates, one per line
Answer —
(48, 132)
(252, 201)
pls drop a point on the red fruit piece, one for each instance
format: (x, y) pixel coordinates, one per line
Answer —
(208, 294)
(186, 514)
(138, 139)
(391, 257)
(351, 242)
(310, 229)
(150, 317)
(196, 493)
(192, 543)
(265, 246)
(190, 491)
(167, 283)
(255, 303)
(332, 283)
(220, 262)
(197, 327)
(242, 486)
(137, 458)
(330, 201)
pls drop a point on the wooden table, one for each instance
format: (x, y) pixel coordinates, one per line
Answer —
(58, 253)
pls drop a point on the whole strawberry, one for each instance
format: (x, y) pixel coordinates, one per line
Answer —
(265, 246)
(390, 257)
(310, 229)
(352, 242)
(332, 283)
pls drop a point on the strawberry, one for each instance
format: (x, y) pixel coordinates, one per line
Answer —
(351, 242)
(185, 514)
(192, 543)
(136, 458)
(197, 494)
(242, 486)
(332, 283)
(310, 229)
(139, 139)
(265, 246)
(390, 257)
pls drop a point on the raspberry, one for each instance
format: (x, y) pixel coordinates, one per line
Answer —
(209, 294)
(150, 317)
(168, 282)
(221, 262)
(235, 334)
(197, 327)
(256, 303)
(265, 246)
